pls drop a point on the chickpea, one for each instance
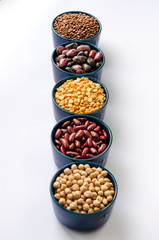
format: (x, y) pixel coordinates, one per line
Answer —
(89, 171)
(80, 201)
(94, 195)
(83, 212)
(75, 171)
(83, 189)
(58, 190)
(62, 194)
(99, 198)
(56, 185)
(106, 179)
(74, 181)
(68, 201)
(67, 190)
(77, 194)
(96, 203)
(112, 192)
(83, 173)
(102, 206)
(79, 207)
(62, 201)
(96, 209)
(97, 189)
(104, 173)
(77, 176)
(104, 188)
(63, 181)
(75, 187)
(91, 188)
(97, 183)
(88, 194)
(92, 175)
(68, 208)
(71, 177)
(101, 180)
(107, 193)
(73, 166)
(105, 201)
(109, 198)
(80, 182)
(58, 179)
(67, 171)
(70, 196)
(99, 169)
(89, 201)
(87, 166)
(85, 207)
(62, 175)
(57, 196)
(66, 177)
(63, 186)
(69, 183)
(73, 206)
(90, 210)
(81, 166)
(88, 179)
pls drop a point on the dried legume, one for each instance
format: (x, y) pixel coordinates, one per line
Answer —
(79, 197)
(80, 95)
(76, 26)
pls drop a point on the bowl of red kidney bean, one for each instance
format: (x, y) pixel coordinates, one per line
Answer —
(77, 59)
(81, 137)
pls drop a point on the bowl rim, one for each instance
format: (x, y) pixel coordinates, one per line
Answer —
(87, 39)
(83, 214)
(85, 116)
(75, 74)
(90, 78)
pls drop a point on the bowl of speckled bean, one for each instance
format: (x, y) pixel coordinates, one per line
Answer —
(75, 26)
(82, 59)
(79, 95)
(83, 195)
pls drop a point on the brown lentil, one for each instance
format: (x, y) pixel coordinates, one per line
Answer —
(80, 95)
(76, 26)
(79, 198)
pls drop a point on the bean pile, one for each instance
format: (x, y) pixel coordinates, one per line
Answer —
(79, 138)
(78, 59)
(76, 26)
(83, 189)
(80, 95)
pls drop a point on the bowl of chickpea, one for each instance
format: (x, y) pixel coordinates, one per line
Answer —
(79, 95)
(83, 195)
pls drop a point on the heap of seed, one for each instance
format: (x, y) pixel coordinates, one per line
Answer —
(83, 189)
(76, 26)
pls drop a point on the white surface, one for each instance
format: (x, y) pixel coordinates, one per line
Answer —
(130, 40)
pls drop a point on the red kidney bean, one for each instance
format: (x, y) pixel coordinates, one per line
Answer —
(98, 56)
(89, 155)
(80, 127)
(79, 150)
(99, 142)
(72, 146)
(82, 119)
(71, 153)
(105, 133)
(64, 142)
(57, 133)
(93, 150)
(58, 147)
(86, 124)
(84, 145)
(87, 134)
(83, 139)
(78, 157)
(57, 142)
(76, 122)
(89, 142)
(77, 143)
(57, 59)
(66, 136)
(64, 52)
(94, 134)
(65, 124)
(83, 48)
(64, 131)
(62, 62)
(100, 132)
(92, 126)
(71, 53)
(95, 144)
(72, 137)
(102, 137)
(70, 129)
(79, 134)
(97, 129)
(62, 149)
(85, 151)
(102, 148)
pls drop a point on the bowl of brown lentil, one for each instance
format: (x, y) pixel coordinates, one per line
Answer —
(83, 195)
(82, 59)
(81, 137)
(76, 26)
(76, 95)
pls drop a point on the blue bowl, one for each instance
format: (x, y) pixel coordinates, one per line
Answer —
(60, 113)
(82, 221)
(60, 73)
(58, 39)
(61, 159)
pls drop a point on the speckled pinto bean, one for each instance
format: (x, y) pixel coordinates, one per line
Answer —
(78, 59)
(80, 138)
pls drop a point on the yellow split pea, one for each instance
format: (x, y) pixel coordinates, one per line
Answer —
(80, 95)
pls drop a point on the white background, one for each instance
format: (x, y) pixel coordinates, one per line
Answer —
(130, 41)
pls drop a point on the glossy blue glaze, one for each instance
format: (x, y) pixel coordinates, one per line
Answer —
(61, 160)
(60, 73)
(60, 113)
(83, 221)
(58, 39)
